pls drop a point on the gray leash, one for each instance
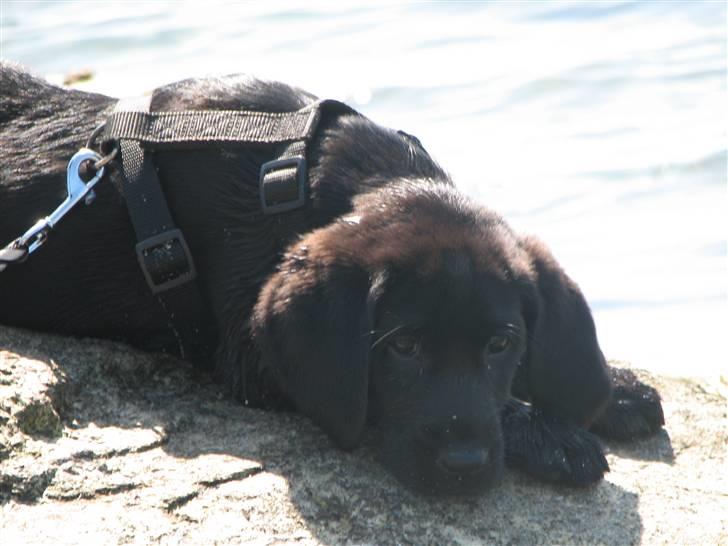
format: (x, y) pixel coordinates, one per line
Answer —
(10, 254)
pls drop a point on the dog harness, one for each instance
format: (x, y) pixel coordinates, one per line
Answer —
(162, 251)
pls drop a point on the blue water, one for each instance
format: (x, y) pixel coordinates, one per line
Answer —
(600, 126)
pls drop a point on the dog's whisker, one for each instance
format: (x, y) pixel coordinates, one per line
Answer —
(384, 337)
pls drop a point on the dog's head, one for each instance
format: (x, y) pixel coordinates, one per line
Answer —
(410, 316)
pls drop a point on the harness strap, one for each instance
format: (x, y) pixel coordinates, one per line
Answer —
(282, 181)
(192, 126)
(162, 251)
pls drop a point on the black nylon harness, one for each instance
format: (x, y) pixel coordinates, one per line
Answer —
(161, 249)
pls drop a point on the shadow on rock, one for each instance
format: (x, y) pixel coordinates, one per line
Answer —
(657, 448)
(168, 458)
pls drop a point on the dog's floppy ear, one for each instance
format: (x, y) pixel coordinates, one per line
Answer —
(312, 324)
(563, 371)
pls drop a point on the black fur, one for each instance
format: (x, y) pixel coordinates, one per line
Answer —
(390, 303)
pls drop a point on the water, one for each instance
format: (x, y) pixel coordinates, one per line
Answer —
(599, 126)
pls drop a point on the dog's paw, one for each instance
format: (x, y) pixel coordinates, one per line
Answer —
(549, 448)
(635, 410)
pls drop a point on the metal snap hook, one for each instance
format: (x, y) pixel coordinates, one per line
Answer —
(84, 170)
(108, 157)
(77, 190)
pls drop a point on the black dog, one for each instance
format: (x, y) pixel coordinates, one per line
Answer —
(389, 303)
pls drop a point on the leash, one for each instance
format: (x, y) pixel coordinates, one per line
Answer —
(133, 132)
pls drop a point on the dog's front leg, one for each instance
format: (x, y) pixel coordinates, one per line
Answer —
(634, 409)
(550, 448)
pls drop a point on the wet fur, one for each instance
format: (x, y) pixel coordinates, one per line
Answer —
(299, 301)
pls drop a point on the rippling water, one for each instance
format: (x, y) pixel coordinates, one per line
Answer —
(599, 126)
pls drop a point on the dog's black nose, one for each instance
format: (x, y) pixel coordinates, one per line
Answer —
(463, 460)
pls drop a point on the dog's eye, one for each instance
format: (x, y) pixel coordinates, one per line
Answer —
(497, 345)
(405, 345)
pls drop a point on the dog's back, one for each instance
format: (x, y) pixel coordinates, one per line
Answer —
(86, 280)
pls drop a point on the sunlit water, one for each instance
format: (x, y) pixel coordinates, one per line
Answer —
(601, 127)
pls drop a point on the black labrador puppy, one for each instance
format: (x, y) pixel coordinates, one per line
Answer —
(390, 303)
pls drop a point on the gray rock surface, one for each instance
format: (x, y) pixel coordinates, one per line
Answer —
(101, 444)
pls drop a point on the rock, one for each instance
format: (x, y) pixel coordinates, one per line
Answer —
(31, 395)
(78, 76)
(106, 445)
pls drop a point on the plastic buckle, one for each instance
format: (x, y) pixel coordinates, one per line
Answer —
(269, 203)
(169, 269)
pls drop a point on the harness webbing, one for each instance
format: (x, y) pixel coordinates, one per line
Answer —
(162, 250)
(213, 126)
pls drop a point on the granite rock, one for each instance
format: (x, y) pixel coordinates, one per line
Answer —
(103, 444)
